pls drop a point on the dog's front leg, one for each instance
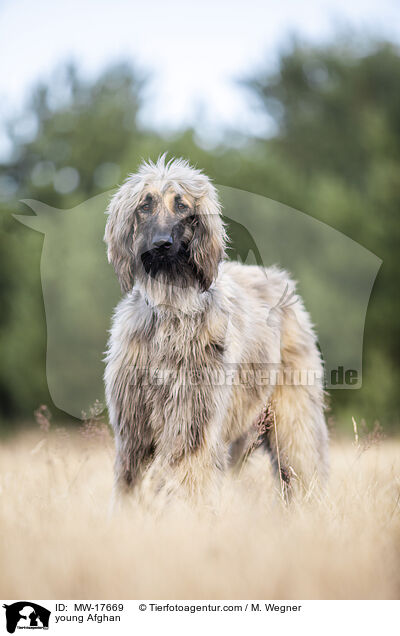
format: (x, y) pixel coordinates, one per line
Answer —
(129, 413)
(133, 455)
(199, 472)
(194, 477)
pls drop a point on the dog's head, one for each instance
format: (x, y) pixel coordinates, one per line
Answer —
(165, 223)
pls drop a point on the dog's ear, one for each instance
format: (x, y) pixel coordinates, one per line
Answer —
(207, 247)
(119, 236)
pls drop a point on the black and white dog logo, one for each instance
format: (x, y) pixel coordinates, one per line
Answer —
(26, 615)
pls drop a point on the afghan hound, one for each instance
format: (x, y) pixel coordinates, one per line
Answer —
(207, 359)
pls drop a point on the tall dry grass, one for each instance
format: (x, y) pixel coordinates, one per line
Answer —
(57, 541)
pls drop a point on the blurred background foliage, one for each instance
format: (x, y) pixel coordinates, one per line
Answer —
(334, 153)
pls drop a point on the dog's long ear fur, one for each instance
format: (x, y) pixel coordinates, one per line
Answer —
(119, 236)
(207, 247)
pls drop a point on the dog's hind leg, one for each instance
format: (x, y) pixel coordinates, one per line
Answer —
(297, 440)
(297, 432)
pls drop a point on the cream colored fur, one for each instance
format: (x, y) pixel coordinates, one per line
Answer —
(177, 436)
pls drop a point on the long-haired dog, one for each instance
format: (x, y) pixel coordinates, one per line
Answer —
(207, 358)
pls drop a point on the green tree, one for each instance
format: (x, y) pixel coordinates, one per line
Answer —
(338, 134)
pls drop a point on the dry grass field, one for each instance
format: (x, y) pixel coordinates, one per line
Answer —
(58, 542)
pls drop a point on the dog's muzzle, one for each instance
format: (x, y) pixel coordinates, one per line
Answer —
(162, 242)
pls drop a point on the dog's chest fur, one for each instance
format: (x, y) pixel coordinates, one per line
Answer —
(173, 358)
(164, 335)
(171, 361)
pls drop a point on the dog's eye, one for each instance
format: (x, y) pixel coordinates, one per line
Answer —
(145, 207)
(181, 206)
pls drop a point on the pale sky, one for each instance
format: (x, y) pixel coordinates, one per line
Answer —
(194, 50)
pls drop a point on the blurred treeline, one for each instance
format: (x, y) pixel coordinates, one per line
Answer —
(334, 153)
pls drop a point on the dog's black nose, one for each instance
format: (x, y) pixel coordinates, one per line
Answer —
(163, 241)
